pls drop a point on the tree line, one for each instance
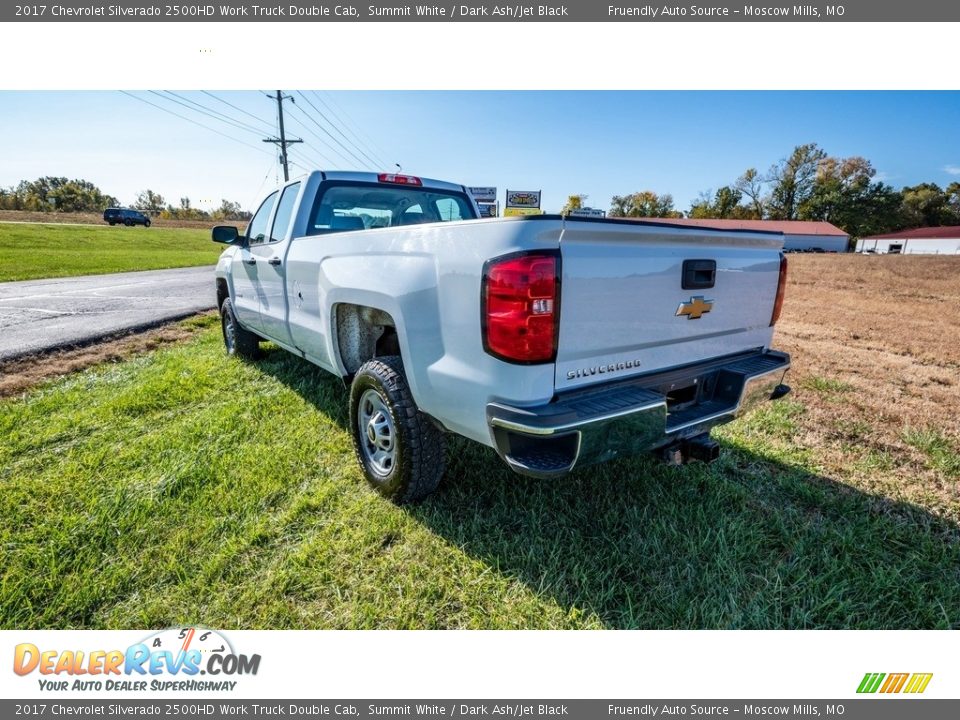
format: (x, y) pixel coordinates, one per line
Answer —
(60, 194)
(808, 184)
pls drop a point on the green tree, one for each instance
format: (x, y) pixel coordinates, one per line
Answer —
(643, 204)
(229, 211)
(879, 211)
(792, 181)
(953, 202)
(56, 194)
(149, 202)
(925, 205)
(751, 186)
(844, 194)
(725, 203)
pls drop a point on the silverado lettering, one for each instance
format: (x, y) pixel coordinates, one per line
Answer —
(612, 367)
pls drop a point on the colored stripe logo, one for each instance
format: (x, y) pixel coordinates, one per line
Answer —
(912, 683)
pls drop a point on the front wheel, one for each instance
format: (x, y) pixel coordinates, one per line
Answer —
(236, 339)
(146, 224)
(399, 449)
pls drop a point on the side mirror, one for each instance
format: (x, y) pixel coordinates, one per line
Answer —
(226, 234)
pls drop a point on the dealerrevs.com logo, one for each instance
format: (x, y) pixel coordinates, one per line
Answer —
(173, 659)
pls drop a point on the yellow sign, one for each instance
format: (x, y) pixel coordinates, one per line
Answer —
(512, 211)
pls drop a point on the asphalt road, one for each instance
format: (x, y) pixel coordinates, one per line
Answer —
(39, 315)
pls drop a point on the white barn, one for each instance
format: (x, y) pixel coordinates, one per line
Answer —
(923, 241)
(797, 234)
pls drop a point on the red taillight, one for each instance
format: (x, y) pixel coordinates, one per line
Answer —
(520, 308)
(400, 179)
(781, 288)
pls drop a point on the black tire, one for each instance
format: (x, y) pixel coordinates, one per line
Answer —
(112, 224)
(418, 461)
(237, 340)
(147, 224)
(127, 223)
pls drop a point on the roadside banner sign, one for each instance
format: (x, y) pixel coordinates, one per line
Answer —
(483, 194)
(487, 209)
(514, 211)
(523, 198)
(588, 212)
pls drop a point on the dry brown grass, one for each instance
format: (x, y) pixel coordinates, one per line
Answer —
(24, 373)
(876, 363)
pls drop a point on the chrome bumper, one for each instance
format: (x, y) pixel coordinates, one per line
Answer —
(629, 417)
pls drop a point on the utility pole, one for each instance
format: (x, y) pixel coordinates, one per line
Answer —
(282, 141)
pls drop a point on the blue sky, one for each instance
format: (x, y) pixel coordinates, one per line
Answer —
(598, 143)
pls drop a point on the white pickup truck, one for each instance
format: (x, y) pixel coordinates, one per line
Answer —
(559, 342)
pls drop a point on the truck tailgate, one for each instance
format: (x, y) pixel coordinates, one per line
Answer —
(624, 309)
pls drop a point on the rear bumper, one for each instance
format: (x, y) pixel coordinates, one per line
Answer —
(633, 416)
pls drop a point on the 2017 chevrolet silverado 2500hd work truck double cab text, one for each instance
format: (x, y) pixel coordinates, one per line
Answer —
(557, 341)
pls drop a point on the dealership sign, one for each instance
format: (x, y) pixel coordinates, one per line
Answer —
(487, 209)
(483, 194)
(523, 198)
(514, 211)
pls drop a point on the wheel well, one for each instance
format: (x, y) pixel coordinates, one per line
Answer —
(222, 292)
(364, 333)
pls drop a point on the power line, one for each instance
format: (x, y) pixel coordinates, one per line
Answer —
(369, 143)
(350, 152)
(327, 145)
(204, 111)
(191, 120)
(337, 152)
(219, 115)
(375, 163)
(239, 109)
(311, 157)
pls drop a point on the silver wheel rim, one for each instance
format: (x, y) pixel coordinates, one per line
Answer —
(378, 438)
(229, 332)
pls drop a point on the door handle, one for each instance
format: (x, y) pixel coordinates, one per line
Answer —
(274, 261)
(250, 261)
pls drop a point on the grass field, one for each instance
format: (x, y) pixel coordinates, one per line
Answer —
(183, 487)
(29, 251)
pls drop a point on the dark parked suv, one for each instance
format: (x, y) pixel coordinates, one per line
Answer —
(126, 216)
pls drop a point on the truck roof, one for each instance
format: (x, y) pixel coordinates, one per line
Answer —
(372, 177)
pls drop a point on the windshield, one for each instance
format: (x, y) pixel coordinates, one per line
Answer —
(340, 208)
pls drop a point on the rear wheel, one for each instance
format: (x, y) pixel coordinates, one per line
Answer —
(236, 339)
(399, 449)
(127, 223)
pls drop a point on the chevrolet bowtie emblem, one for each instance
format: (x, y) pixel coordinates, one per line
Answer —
(695, 308)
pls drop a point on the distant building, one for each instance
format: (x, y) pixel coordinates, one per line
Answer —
(925, 241)
(797, 234)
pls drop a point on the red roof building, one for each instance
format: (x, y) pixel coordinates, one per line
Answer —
(944, 240)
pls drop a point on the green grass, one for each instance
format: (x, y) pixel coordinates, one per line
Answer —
(32, 251)
(826, 385)
(186, 487)
(941, 454)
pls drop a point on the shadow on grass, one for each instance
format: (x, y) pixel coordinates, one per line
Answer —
(747, 542)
